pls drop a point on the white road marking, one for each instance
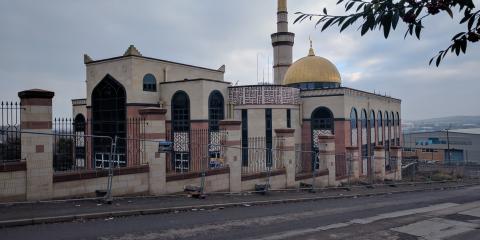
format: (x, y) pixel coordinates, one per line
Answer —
(295, 233)
(436, 228)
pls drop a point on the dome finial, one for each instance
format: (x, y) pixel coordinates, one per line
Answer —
(311, 52)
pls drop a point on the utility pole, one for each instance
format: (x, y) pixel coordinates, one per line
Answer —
(448, 144)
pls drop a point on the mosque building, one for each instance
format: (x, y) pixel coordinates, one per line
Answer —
(307, 96)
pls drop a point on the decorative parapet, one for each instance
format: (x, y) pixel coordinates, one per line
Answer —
(263, 95)
(343, 91)
(79, 102)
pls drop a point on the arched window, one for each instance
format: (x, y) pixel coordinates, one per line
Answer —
(399, 133)
(353, 127)
(380, 128)
(393, 134)
(364, 141)
(181, 131)
(149, 83)
(109, 119)
(79, 126)
(371, 124)
(386, 127)
(180, 112)
(321, 125)
(216, 110)
(216, 113)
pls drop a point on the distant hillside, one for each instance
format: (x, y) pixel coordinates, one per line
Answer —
(435, 124)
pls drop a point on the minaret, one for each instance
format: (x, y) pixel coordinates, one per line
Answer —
(282, 42)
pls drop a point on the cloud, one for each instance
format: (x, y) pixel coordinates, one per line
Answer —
(42, 47)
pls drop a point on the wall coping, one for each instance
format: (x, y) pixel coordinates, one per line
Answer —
(309, 175)
(191, 175)
(36, 93)
(90, 174)
(351, 148)
(152, 111)
(13, 167)
(263, 174)
(379, 147)
(395, 147)
(229, 122)
(285, 130)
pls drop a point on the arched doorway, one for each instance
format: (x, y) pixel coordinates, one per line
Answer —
(322, 124)
(109, 119)
(181, 131)
(79, 126)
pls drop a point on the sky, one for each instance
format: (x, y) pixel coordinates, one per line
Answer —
(42, 45)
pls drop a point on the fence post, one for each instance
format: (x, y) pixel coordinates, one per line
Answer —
(379, 158)
(233, 152)
(353, 154)
(397, 153)
(326, 157)
(154, 133)
(287, 150)
(37, 149)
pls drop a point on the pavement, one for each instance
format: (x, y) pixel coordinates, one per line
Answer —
(451, 214)
(21, 214)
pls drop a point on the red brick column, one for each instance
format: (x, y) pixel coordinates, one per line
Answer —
(233, 153)
(154, 133)
(287, 151)
(37, 149)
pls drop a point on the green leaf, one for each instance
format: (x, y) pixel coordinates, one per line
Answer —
(470, 22)
(418, 29)
(463, 45)
(365, 28)
(386, 23)
(325, 11)
(439, 59)
(396, 17)
(449, 11)
(457, 35)
(325, 26)
(350, 5)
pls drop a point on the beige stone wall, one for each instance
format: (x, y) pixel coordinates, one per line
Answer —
(129, 71)
(198, 92)
(215, 183)
(276, 182)
(12, 186)
(122, 185)
(79, 109)
(334, 103)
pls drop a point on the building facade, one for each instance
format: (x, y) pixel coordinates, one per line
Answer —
(307, 97)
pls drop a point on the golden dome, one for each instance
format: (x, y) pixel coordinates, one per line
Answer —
(312, 69)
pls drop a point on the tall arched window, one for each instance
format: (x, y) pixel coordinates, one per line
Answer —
(181, 131)
(372, 122)
(353, 127)
(216, 110)
(380, 128)
(393, 134)
(109, 119)
(387, 131)
(79, 126)
(399, 132)
(364, 140)
(149, 83)
(321, 124)
(216, 113)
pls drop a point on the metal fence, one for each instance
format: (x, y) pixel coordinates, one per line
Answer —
(74, 149)
(10, 137)
(262, 158)
(196, 150)
(416, 170)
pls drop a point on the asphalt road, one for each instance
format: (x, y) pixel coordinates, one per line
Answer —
(449, 214)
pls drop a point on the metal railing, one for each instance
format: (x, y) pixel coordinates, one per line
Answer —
(10, 136)
(261, 158)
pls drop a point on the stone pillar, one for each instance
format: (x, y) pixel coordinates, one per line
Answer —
(326, 145)
(287, 149)
(353, 162)
(154, 133)
(397, 152)
(233, 153)
(379, 162)
(37, 149)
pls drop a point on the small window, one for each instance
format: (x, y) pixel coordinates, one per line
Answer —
(149, 83)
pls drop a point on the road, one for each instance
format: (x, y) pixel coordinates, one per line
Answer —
(448, 214)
